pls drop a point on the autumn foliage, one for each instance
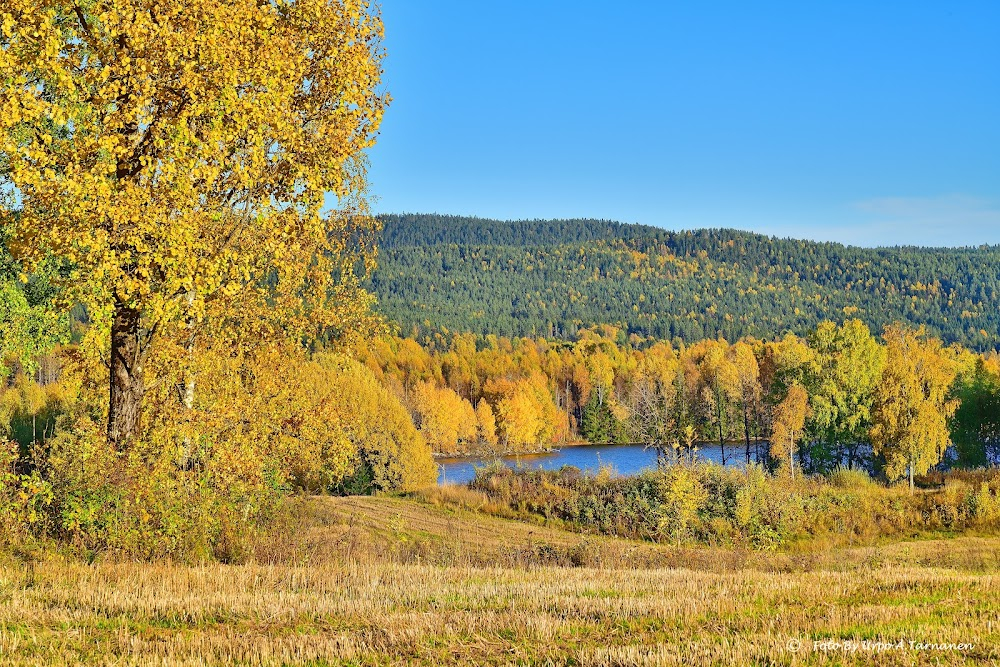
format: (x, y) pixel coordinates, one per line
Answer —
(841, 396)
(188, 179)
(166, 170)
(712, 505)
(176, 158)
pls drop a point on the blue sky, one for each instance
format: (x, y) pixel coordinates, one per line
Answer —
(872, 123)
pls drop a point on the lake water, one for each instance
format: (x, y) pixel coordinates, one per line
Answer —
(624, 460)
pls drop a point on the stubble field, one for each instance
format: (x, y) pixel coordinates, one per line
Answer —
(395, 581)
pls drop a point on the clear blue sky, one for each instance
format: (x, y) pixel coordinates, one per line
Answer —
(872, 123)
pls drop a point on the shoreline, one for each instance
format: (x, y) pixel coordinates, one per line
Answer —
(555, 450)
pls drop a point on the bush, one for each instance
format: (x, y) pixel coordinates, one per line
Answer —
(389, 453)
(139, 503)
(203, 482)
(850, 478)
(710, 504)
(24, 499)
(985, 505)
(683, 497)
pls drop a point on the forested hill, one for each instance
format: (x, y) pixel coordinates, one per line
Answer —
(550, 277)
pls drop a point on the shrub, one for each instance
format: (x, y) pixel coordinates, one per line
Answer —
(140, 503)
(715, 505)
(850, 478)
(389, 453)
(24, 498)
(950, 506)
(683, 497)
(985, 505)
(203, 482)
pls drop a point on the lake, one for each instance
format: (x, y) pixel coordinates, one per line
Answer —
(624, 459)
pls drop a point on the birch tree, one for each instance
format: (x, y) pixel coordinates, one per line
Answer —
(178, 156)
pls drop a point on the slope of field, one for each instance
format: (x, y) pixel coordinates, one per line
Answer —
(552, 277)
(355, 588)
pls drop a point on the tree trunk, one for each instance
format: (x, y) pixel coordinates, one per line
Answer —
(911, 476)
(128, 352)
(187, 395)
(565, 437)
(188, 401)
(722, 442)
(746, 430)
(791, 457)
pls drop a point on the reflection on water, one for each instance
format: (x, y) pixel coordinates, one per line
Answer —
(623, 459)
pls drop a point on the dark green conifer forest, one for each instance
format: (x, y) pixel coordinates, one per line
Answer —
(552, 277)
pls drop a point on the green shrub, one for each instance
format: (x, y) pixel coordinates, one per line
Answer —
(140, 503)
(24, 499)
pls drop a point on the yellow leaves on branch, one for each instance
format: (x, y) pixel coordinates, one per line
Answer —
(168, 147)
(487, 424)
(317, 421)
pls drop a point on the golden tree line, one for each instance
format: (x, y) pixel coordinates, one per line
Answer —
(839, 396)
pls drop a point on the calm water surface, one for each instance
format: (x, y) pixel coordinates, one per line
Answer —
(624, 460)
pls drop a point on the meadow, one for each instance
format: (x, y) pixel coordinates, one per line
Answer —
(420, 580)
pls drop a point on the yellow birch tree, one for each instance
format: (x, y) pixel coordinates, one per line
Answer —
(487, 423)
(177, 156)
(787, 424)
(912, 403)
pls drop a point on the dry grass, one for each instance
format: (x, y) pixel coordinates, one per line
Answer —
(391, 581)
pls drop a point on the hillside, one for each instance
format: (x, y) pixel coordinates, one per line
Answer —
(552, 277)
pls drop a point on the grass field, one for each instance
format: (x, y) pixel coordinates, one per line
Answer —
(396, 581)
